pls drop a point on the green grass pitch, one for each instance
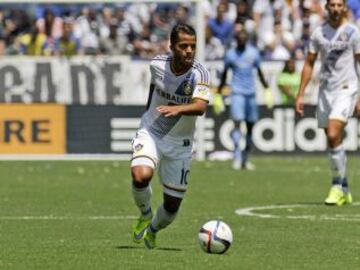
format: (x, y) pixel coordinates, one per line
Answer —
(78, 215)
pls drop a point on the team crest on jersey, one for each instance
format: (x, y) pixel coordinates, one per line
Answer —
(344, 36)
(138, 147)
(188, 88)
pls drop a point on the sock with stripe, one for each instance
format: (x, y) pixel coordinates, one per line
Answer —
(338, 163)
(142, 198)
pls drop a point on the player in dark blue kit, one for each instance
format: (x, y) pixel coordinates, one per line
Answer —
(243, 60)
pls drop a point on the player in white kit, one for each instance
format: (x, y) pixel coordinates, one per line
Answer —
(179, 92)
(338, 43)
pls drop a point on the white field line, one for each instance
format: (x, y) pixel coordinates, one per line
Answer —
(56, 157)
(252, 212)
(51, 217)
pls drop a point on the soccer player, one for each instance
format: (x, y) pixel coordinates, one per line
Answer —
(338, 43)
(243, 107)
(179, 91)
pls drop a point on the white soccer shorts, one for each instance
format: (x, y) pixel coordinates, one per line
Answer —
(172, 161)
(337, 106)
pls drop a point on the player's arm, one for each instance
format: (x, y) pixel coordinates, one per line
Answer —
(197, 107)
(223, 79)
(305, 78)
(268, 96)
(285, 89)
(262, 78)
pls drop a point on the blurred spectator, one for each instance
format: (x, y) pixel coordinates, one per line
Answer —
(263, 14)
(245, 21)
(288, 82)
(277, 27)
(182, 14)
(68, 44)
(278, 44)
(34, 43)
(214, 50)
(87, 30)
(50, 25)
(221, 27)
(354, 10)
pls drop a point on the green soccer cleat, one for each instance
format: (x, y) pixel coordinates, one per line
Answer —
(336, 197)
(139, 229)
(348, 198)
(150, 239)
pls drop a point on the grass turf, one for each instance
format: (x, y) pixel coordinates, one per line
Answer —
(78, 214)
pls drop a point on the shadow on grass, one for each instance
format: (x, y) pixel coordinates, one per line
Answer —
(310, 203)
(142, 247)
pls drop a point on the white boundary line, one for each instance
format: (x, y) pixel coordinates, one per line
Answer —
(251, 212)
(85, 157)
(67, 217)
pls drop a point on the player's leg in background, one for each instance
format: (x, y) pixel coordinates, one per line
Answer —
(252, 115)
(338, 161)
(342, 109)
(246, 164)
(237, 112)
(237, 153)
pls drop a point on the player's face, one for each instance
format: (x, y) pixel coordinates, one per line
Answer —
(184, 49)
(242, 38)
(336, 10)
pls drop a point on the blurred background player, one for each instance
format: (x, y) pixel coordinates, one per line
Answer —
(338, 43)
(243, 107)
(288, 82)
(179, 92)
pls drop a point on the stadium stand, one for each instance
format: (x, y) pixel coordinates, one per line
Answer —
(279, 28)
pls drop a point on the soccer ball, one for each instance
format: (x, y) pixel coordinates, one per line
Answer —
(215, 236)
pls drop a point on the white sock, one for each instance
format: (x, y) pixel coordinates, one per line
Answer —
(162, 219)
(338, 162)
(142, 198)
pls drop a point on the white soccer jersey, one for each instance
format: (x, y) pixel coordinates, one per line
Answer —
(172, 89)
(336, 47)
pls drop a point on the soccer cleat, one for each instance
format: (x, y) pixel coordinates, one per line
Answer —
(348, 198)
(336, 197)
(248, 166)
(139, 229)
(236, 164)
(150, 239)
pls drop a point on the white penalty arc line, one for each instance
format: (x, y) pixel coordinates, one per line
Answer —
(251, 212)
(67, 217)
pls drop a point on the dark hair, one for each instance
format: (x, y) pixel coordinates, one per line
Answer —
(181, 27)
(286, 65)
(344, 1)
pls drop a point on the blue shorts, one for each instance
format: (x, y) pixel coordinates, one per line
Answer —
(243, 108)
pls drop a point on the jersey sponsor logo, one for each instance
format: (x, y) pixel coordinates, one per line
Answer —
(173, 98)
